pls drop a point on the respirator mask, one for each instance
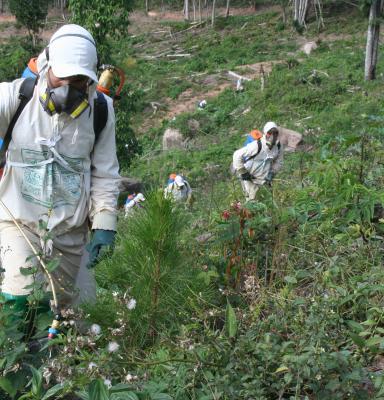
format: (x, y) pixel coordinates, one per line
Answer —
(271, 137)
(66, 99)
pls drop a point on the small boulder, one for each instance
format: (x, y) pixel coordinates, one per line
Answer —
(172, 139)
(193, 126)
(204, 237)
(290, 139)
(308, 47)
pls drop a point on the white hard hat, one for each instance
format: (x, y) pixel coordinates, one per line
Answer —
(268, 126)
(179, 181)
(140, 197)
(72, 51)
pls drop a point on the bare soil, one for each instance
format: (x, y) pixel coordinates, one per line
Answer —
(157, 39)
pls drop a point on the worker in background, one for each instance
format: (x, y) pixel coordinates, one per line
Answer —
(56, 171)
(178, 189)
(133, 202)
(258, 161)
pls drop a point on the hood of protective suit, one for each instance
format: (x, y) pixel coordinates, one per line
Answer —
(179, 181)
(268, 126)
(42, 68)
(72, 51)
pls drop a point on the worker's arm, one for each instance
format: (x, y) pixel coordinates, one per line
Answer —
(239, 156)
(105, 177)
(9, 101)
(278, 161)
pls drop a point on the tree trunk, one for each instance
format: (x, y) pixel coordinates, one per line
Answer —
(373, 35)
(284, 14)
(300, 11)
(200, 16)
(227, 10)
(186, 10)
(146, 7)
(213, 13)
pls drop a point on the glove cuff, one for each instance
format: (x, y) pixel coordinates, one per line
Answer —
(105, 220)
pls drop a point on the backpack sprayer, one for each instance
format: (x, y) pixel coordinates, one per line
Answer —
(106, 79)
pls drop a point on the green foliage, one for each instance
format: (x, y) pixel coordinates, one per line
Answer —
(106, 21)
(13, 59)
(30, 13)
(126, 143)
(148, 268)
(297, 278)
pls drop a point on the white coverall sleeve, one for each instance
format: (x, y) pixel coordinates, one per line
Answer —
(242, 154)
(238, 161)
(278, 161)
(9, 101)
(189, 191)
(105, 177)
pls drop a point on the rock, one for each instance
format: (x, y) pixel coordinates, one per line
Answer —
(308, 47)
(172, 139)
(130, 185)
(193, 126)
(289, 139)
(204, 237)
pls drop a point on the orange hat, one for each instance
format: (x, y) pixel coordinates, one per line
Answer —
(172, 176)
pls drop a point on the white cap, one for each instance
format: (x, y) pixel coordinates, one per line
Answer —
(72, 51)
(268, 126)
(179, 181)
(140, 197)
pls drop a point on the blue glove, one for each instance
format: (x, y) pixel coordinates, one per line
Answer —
(100, 242)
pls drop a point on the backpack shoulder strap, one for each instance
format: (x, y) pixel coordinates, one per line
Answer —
(25, 94)
(259, 145)
(100, 114)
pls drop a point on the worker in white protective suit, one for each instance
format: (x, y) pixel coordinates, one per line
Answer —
(178, 189)
(56, 171)
(133, 203)
(258, 161)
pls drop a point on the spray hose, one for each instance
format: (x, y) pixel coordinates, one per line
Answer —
(53, 330)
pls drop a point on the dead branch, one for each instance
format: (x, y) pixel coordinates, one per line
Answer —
(237, 76)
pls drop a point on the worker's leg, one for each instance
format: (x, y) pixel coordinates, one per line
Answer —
(85, 283)
(16, 254)
(250, 189)
(70, 248)
(15, 288)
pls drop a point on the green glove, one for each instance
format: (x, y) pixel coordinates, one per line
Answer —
(101, 240)
(269, 177)
(246, 176)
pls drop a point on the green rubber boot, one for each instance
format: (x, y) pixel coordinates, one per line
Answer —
(18, 314)
(14, 308)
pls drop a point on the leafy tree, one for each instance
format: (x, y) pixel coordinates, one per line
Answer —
(105, 20)
(31, 14)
